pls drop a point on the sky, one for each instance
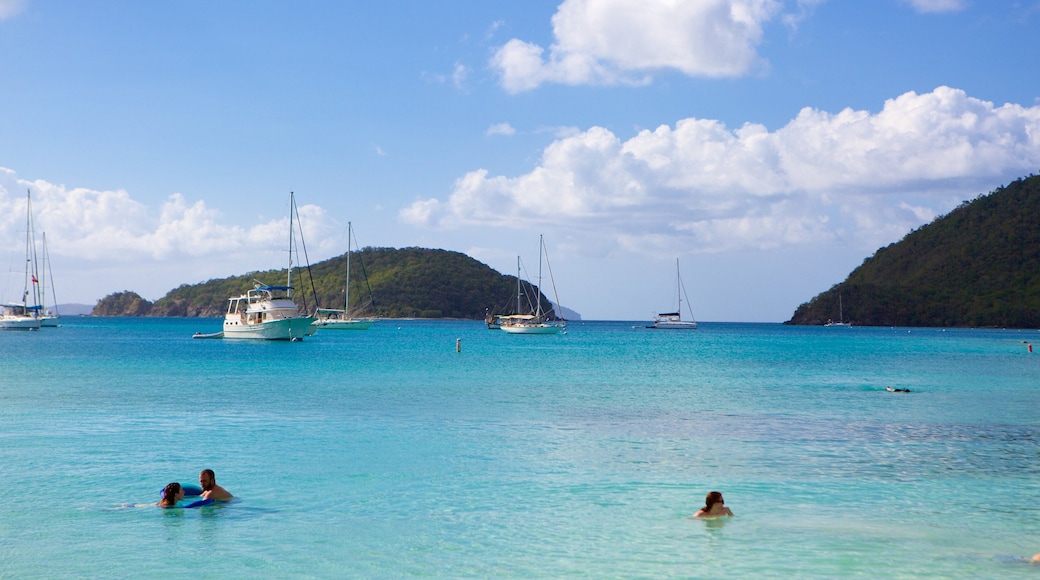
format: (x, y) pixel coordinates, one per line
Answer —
(770, 146)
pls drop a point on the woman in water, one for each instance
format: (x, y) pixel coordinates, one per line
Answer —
(172, 494)
(714, 507)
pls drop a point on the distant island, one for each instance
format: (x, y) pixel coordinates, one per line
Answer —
(385, 283)
(978, 266)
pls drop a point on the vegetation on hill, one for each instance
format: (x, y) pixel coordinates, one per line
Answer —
(978, 266)
(124, 303)
(385, 282)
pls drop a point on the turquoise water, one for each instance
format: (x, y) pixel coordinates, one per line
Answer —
(387, 454)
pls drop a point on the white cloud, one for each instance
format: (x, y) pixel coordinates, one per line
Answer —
(459, 75)
(501, 129)
(10, 8)
(181, 240)
(932, 6)
(824, 177)
(622, 41)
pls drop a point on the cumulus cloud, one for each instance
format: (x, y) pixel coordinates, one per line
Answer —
(932, 6)
(501, 129)
(623, 41)
(96, 229)
(823, 177)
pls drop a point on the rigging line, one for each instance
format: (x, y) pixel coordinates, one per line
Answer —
(306, 258)
(552, 281)
(361, 262)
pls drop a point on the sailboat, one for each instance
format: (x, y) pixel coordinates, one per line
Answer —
(673, 320)
(267, 312)
(841, 316)
(536, 322)
(332, 319)
(25, 315)
(49, 317)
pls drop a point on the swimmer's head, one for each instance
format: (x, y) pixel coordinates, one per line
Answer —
(172, 493)
(714, 497)
(207, 479)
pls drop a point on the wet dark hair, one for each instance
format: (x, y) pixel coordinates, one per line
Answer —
(169, 495)
(713, 498)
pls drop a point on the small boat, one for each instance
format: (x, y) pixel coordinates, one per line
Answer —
(332, 319)
(673, 320)
(841, 316)
(492, 320)
(26, 314)
(536, 322)
(268, 312)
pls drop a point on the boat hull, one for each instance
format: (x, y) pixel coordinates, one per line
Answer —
(531, 329)
(673, 326)
(19, 323)
(49, 322)
(343, 324)
(282, 329)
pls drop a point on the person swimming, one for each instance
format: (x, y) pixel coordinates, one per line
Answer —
(210, 489)
(714, 506)
(172, 494)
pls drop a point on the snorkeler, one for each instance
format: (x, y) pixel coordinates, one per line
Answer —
(210, 489)
(714, 506)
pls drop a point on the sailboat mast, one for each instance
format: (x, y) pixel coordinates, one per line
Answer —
(538, 294)
(346, 293)
(292, 208)
(28, 235)
(678, 288)
(518, 284)
(31, 271)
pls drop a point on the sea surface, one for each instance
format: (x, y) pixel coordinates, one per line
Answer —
(387, 453)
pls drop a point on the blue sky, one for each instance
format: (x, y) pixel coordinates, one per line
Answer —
(771, 146)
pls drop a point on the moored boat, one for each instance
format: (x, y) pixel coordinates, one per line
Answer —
(26, 314)
(333, 319)
(267, 312)
(536, 322)
(673, 320)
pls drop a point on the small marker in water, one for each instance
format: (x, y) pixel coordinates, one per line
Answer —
(458, 345)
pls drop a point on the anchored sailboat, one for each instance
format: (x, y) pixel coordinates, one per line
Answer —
(25, 315)
(841, 316)
(535, 322)
(673, 320)
(332, 319)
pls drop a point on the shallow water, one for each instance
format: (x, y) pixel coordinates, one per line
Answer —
(385, 453)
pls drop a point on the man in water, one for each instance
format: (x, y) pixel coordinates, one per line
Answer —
(210, 489)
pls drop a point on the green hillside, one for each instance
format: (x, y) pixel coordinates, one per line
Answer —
(978, 266)
(401, 283)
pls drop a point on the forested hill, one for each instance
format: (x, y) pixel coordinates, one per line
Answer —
(401, 283)
(978, 266)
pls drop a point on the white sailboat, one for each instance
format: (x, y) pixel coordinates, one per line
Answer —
(333, 319)
(841, 316)
(267, 312)
(49, 317)
(536, 322)
(25, 315)
(673, 320)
